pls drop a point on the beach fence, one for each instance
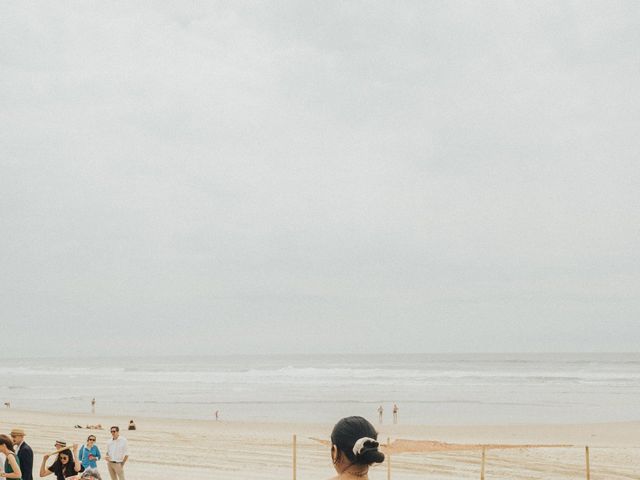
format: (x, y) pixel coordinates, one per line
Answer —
(413, 459)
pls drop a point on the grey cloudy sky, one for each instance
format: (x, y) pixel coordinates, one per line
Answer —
(222, 177)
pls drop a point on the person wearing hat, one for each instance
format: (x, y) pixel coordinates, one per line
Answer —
(67, 463)
(23, 452)
(59, 445)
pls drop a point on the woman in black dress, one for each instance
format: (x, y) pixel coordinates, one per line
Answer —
(66, 465)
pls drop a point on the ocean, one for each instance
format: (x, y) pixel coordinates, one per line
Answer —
(439, 389)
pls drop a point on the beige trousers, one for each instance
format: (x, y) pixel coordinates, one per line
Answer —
(116, 471)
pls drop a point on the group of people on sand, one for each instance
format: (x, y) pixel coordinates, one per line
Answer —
(68, 462)
(98, 426)
(354, 448)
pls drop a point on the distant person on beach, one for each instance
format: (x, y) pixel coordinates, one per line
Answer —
(380, 412)
(66, 465)
(11, 462)
(217, 415)
(132, 425)
(395, 413)
(89, 453)
(23, 452)
(89, 427)
(117, 454)
(93, 405)
(354, 448)
(7, 404)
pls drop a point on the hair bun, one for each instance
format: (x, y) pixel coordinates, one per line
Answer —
(364, 444)
(369, 452)
(356, 438)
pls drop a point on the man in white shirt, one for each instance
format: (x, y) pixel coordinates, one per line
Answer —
(117, 454)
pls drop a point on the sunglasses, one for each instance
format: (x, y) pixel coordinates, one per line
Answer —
(114, 431)
(63, 458)
(91, 440)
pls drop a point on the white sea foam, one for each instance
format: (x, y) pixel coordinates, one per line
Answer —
(429, 388)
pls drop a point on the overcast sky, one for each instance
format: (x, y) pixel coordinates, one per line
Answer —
(219, 177)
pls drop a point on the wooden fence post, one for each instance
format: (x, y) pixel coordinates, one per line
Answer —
(484, 455)
(295, 457)
(388, 458)
(586, 453)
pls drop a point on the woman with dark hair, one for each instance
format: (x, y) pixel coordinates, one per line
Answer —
(89, 453)
(354, 448)
(11, 463)
(64, 466)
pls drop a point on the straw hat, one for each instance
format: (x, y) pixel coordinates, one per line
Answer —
(17, 432)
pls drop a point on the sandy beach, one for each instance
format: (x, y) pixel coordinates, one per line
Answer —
(164, 449)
